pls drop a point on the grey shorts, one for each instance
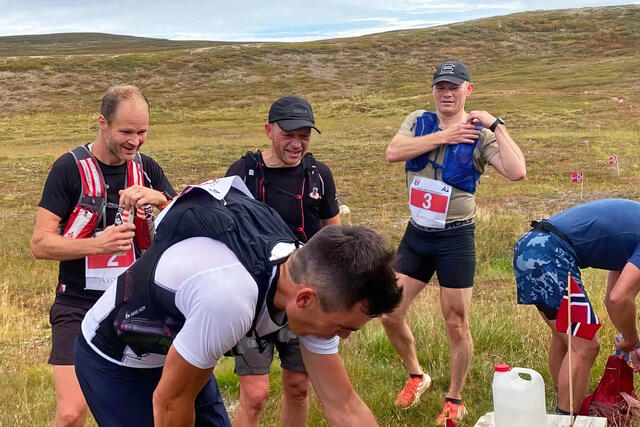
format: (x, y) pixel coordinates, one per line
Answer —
(252, 361)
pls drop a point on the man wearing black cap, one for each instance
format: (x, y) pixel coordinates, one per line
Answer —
(301, 189)
(446, 152)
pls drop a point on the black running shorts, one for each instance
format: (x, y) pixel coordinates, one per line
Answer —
(450, 253)
(65, 323)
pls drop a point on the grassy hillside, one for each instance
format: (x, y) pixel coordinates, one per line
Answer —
(89, 43)
(559, 78)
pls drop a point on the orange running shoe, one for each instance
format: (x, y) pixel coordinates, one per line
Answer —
(413, 388)
(453, 409)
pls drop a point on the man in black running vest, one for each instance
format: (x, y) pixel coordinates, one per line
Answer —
(302, 191)
(223, 266)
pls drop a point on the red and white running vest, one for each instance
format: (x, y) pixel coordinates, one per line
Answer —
(101, 270)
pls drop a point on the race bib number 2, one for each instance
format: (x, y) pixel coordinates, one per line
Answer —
(429, 202)
(101, 271)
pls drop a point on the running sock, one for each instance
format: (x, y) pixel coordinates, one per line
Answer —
(452, 400)
(416, 375)
(561, 412)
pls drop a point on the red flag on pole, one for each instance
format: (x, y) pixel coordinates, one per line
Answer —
(576, 177)
(584, 322)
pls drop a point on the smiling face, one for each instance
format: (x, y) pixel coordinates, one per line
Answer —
(306, 317)
(127, 131)
(287, 147)
(450, 97)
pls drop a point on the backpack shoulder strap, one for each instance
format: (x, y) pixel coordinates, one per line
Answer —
(254, 173)
(90, 174)
(135, 172)
(312, 173)
(92, 201)
(144, 215)
(425, 124)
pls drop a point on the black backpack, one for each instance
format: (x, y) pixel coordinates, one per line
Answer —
(311, 189)
(147, 319)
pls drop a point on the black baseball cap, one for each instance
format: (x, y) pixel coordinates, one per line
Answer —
(451, 71)
(291, 113)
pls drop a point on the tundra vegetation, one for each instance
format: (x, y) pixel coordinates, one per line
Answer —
(565, 81)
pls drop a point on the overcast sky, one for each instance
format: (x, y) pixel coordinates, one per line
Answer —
(247, 20)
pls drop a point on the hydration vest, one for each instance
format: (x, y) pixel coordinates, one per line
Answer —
(311, 188)
(457, 169)
(92, 203)
(146, 317)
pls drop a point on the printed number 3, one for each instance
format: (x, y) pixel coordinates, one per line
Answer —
(112, 262)
(427, 201)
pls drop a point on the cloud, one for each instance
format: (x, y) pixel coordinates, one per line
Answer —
(252, 20)
(462, 6)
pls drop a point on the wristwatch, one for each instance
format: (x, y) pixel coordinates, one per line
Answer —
(495, 124)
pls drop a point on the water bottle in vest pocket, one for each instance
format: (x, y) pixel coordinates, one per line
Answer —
(458, 169)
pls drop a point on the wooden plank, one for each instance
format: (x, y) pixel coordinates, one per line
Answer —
(487, 420)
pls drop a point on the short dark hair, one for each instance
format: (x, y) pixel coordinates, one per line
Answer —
(345, 265)
(114, 95)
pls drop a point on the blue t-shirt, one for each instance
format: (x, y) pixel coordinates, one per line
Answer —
(604, 233)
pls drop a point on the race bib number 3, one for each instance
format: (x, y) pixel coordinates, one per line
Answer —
(429, 202)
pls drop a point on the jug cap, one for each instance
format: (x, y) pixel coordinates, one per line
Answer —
(502, 367)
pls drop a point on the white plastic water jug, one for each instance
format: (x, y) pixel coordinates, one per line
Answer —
(518, 402)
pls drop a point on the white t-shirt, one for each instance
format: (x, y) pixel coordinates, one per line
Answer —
(217, 297)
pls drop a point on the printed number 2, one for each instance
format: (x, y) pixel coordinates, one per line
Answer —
(112, 262)
(427, 201)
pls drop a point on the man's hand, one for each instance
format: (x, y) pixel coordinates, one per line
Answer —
(138, 196)
(481, 118)
(633, 350)
(465, 133)
(341, 404)
(623, 346)
(116, 238)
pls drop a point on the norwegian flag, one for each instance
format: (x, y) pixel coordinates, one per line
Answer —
(613, 160)
(584, 322)
(576, 177)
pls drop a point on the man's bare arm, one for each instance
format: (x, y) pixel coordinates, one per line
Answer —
(341, 404)
(175, 395)
(509, 161)
(46, 243)
(621, 303)
(331, 221)
(403, 147)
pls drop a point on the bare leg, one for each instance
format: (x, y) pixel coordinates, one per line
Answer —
(396, 327)
(254, 391)
(295, 386)
(71, 410)
(557, 350)
(455, 304)
(584, 353)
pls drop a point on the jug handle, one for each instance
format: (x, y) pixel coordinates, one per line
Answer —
(535, 375)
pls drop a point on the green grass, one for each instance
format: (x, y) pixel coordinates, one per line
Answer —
(552, 75)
